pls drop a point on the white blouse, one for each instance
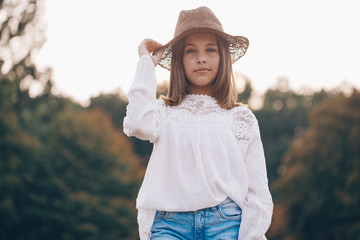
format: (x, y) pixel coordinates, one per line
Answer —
(202, 154)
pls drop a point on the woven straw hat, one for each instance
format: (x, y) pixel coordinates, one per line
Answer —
(202, 20)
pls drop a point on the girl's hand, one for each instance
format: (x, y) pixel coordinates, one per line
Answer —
(147, 46)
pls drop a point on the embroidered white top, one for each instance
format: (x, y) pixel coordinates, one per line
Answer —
(202, 154)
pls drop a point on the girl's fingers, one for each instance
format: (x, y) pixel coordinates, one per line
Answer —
(148, 46)
(151, 44)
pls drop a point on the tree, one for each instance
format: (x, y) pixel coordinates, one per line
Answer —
(65, 172)
(246, 92)
(115, 104)
(92, 167)
(284, 115)
(17, 155)
(21, 29)
(320, 187)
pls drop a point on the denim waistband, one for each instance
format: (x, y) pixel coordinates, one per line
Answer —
(214, 209)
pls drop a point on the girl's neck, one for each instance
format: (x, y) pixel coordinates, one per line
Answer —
(197, 90)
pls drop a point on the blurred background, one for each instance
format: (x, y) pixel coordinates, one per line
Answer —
(67, 171)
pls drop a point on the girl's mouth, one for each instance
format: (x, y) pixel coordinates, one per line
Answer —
(202, 70)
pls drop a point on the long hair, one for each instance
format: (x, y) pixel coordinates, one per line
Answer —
(223, 87)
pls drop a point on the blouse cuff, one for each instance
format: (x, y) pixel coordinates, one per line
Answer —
(148, 57)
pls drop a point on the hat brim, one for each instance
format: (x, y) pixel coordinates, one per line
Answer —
(237, 45)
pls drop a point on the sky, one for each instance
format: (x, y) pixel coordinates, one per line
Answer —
(92, 45)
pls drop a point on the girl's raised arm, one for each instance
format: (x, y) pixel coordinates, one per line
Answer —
(143, 113)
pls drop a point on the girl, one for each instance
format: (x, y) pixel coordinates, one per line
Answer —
(206, 177)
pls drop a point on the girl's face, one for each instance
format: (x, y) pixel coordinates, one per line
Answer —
(201, 62)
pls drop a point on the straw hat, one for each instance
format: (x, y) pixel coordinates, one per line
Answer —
(202, 20)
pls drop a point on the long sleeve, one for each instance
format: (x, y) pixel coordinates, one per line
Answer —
(143, 113)
(258, 205)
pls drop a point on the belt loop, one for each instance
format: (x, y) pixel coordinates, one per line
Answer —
(213, 209)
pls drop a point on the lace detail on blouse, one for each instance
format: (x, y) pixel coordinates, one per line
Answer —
(244, 119)
(205, 110)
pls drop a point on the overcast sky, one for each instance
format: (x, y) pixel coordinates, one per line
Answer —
(92, 45)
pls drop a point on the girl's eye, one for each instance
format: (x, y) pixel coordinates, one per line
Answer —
(211, 50)
(190, 51)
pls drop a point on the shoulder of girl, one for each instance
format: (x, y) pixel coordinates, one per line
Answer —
(243, 112)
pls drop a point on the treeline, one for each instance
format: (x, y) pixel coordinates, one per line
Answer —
(312, 146)
(68, 171)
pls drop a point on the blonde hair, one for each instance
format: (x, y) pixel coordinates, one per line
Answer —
(223, 89)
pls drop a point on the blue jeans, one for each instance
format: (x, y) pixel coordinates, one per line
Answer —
(217, 223)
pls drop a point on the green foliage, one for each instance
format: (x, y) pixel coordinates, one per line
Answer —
(20, 25)
(16, 159)
(162, 89)
(93, 164)
(247, 92)
(115, 105)
(283, 115)
(65, 172)
(321, 186)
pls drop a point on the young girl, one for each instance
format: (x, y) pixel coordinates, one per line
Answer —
(206, 178)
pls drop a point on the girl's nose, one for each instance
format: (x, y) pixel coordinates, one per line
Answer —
(201, 59)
